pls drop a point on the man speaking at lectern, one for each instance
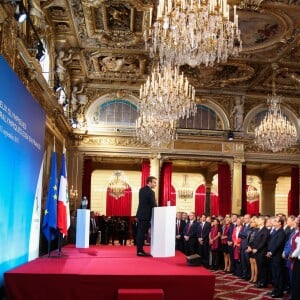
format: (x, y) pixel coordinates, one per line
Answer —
(144, 213)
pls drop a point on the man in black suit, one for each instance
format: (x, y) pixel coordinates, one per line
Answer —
(179, 230)
(191, 235)
(203, 239)
(144, 213)
(244, 235)
(275, 249)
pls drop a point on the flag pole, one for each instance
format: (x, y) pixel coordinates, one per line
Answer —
(60, 235)
(59, 243)
(49, 240)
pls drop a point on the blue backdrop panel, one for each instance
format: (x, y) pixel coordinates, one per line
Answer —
(22, 132)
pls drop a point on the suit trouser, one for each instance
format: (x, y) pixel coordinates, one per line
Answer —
(262, 267)
(142, 228)
(296, 280)
(277, 264)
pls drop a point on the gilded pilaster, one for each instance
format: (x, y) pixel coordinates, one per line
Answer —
(237, 184)
(268, 196)
(155, 171)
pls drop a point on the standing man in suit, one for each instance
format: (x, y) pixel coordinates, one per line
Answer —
(275, 249)
(190, 235)
(180, 225)
(144, 213)
(203, 239)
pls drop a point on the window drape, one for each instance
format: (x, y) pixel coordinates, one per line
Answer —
(214, 204)
(165, 184)
(252, 200)
(293, 199)
(224, 189)
(118, 206)
(145, 171)
(200, 196)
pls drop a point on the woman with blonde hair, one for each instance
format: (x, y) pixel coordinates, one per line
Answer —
(253, 265)
(224, 246)
(259, 249)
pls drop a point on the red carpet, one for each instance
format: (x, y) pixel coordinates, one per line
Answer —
(100, 271)
(229, 287)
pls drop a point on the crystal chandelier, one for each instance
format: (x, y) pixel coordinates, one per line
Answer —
(167, 95)
(275, 132)
(193, 32)
(154, 132)
(118, 184)
(250, 4)
(185, 192)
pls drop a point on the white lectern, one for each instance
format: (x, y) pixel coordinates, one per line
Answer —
(163, 226)
(83, 228)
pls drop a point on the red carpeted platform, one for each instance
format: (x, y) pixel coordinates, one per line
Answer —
(100, 271)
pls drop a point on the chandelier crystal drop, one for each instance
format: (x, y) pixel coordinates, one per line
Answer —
(275, 132)
(167, 95)
(193, 32)
(154, 132)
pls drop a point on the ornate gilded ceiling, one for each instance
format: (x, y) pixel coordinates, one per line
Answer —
(97, 48)
(106, 41)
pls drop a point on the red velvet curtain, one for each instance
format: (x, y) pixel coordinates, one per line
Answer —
(145, 171)
(214, 204)
(86, 179)
(293, 202)
(224, 189)
(173, 196)
(244, 193)
(118, 206)
(200, 196)
(165, 183)
(252, 200)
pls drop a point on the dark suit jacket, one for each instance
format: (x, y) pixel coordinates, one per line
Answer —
(260, 241)
(192, 231)
(146, 203)
(180, 230)
(204, 231)
(244, 234)
(277, 242)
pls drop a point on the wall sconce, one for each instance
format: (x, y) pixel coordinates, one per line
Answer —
(57, 86)
(230, 136)
(40, 55)
(20, 12)
(74, 123)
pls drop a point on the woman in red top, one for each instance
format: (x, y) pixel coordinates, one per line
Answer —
(236, 247)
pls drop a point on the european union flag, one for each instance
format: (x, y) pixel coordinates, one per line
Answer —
(50, 216)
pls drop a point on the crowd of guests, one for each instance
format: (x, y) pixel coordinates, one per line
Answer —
(106, 230)
(263, 250)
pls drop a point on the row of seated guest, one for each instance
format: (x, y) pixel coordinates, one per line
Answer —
(257, 249)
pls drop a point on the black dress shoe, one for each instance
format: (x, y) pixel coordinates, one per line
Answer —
(143, 254)
(261, 285)
(277, 295)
